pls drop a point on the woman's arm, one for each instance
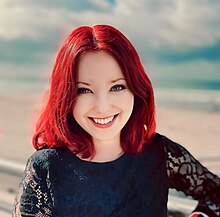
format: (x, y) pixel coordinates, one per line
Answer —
(33, 197)
(186, 174)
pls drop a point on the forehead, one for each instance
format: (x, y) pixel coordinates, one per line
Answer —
(98, 65)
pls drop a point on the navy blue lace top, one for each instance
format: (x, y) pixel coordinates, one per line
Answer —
(57, 183)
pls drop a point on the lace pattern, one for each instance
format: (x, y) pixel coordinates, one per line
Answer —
(32, 198)
(185, 173)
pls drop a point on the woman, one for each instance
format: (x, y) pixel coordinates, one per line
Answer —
(98, 152)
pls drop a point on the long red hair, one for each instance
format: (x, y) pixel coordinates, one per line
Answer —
(57, 127)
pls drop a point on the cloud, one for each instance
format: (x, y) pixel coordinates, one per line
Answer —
(172, 31)
(180, 39)
(173, 23)
(105, 5)
(31, 22)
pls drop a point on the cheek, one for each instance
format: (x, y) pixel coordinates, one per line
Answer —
(81, 107)
(127, 101)
(77, 109)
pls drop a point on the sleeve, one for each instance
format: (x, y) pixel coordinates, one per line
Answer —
(33, 195)
(188, 175)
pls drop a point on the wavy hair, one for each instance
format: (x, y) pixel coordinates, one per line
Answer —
(57, 127)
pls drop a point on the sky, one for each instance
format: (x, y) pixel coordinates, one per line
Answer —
(177, 40)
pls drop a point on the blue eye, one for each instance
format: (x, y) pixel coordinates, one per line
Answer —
(118, 87)
(83, 91)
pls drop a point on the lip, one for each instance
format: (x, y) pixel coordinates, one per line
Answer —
(105, 125)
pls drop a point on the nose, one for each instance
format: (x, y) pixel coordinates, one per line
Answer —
(103, 104)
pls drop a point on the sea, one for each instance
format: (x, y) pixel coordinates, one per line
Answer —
(189, 98)
(182, 94)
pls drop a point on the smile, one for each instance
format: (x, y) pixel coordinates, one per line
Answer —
(103, 122)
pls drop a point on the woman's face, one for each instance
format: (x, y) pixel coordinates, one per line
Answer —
(104, 103)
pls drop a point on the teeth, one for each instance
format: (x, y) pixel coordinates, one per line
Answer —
(103, 120)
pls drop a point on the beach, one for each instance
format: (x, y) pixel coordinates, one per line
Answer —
(198, 131)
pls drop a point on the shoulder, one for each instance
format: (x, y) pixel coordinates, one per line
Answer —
(167, 147)
(167, 143)
(155, 148)
(43, 159)
(44, 154)
(176, 154)
(157, 143)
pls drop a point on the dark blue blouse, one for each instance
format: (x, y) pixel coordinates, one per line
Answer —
(57, 183)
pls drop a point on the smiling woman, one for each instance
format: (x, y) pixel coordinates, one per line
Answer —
(103, 105)
(99, 54)
(98, 153)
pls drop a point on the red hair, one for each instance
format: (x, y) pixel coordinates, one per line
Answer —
(57, 127)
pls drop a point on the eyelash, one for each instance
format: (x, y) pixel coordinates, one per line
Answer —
(83, 91)
(115, 88)
(122, 87)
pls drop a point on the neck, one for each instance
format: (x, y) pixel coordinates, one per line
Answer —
(107, 150)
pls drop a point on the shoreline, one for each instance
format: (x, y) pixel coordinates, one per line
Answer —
(197, 131)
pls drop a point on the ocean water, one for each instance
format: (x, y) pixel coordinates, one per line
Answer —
(185, 98)
(196, 95)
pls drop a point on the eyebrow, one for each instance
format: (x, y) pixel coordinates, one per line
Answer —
(117, 80)
(82, 82)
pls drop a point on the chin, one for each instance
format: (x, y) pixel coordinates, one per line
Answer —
(105, 136)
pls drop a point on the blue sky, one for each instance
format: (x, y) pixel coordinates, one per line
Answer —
(176, 39)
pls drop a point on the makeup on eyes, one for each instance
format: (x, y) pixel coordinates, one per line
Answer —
(82, 90)
(89, 84)
(119, 87)
(115, 88)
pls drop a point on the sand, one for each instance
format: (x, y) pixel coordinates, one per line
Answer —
(198, 131)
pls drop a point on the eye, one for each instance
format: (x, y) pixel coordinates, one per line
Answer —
(83, 91)
(118, 87)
